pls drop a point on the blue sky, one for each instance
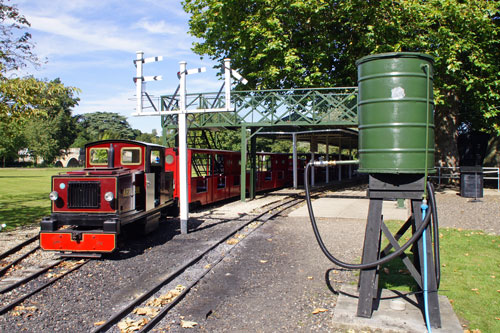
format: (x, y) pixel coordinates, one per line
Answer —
(91, 45)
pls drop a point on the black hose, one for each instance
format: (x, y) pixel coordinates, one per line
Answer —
(376, 263)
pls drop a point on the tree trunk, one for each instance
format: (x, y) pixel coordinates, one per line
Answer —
(446, 126)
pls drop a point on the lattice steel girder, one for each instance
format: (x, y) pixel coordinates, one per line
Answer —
(283, 107)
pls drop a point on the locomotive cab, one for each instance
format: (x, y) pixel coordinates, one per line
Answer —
(124, 183)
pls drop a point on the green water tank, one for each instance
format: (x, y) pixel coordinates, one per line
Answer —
(395, 111)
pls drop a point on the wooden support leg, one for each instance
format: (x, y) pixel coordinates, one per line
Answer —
(371, 249)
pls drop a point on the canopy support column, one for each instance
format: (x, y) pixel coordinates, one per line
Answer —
(253, 168)
(295, 178)
(243, 178)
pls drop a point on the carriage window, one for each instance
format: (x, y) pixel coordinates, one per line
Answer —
(221, 182)
(155, 157)
(98, 156)
(201, 185)
(200, 165)
(219, 164)
(131, 156)
(265, 163)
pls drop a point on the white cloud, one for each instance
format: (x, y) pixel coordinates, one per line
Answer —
(160, 27)
(94, 35)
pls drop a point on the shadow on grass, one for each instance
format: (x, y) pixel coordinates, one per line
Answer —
(395, 275)
(8, 200)
(22, 215)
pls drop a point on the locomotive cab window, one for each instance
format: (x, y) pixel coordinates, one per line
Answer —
(131, 156)
(155, 157)
(98, 156)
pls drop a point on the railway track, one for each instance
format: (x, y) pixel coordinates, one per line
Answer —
(19, 281)
(146, 311)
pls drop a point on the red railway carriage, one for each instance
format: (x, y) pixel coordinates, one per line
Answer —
(123, 183)
(215, 175)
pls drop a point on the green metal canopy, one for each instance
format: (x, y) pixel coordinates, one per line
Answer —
(272, 111)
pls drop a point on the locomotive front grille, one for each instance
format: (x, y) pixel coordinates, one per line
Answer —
(84, 195)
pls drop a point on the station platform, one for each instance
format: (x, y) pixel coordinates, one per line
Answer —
(278, 280)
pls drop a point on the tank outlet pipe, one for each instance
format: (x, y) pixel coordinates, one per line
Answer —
(333, 162)
(424, 208)
(416, 235)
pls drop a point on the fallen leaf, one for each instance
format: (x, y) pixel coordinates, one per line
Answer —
(99, 323)
(188, 324)
(263, 261)
(309, 277)
(493, 276)
(207, 266)
(474, 289)
(232, 241)
(147, 311)
(466, 254)
(129, 325)
(319, 310)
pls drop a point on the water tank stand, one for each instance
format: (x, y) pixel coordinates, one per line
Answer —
(390, 187)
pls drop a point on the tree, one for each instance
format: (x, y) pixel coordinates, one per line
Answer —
(16, 48)
(315, 43)
(103, 125)
(24, 100)
(148, 137)
(21, 99)
(48, 134)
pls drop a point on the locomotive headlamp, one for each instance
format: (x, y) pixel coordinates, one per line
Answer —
(109, 196)
(54, 195)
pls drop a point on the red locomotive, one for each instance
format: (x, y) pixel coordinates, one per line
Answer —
(130, 184)
(123, 183)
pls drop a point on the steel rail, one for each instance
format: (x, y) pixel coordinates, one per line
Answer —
(132, 305)
(14, 262)
(30, 277)
(45, 285)
(150, 324)
(18, 247)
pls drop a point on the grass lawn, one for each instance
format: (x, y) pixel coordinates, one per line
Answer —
(24, 195)
(470, 276)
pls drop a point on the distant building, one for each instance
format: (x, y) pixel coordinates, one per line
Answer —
(70, 158)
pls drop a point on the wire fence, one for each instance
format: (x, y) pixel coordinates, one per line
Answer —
(446, 173)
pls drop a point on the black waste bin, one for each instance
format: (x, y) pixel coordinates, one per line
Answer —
(471, 181)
